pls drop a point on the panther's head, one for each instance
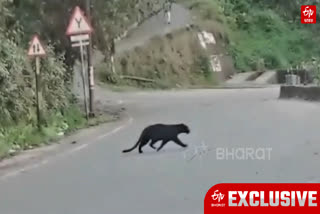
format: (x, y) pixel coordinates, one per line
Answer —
(185, 128)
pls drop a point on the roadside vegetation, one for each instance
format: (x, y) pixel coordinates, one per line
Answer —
(260, 33)
(61, 114)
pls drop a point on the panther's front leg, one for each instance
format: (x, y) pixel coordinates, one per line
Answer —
(178, 141)
(164, 142)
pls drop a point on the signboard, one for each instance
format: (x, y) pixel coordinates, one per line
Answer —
(36, 48)
(78, 23)
(79, 40)
(79, 30)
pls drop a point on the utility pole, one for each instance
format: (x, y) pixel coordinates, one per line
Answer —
(90, 64)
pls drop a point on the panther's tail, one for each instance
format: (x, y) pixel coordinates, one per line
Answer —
(129, 150)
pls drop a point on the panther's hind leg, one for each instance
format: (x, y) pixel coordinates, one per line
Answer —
(140, 148)
(143, 142)
(152, 144)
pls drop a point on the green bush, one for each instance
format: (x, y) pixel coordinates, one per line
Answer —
(14, 89)
(26, 135)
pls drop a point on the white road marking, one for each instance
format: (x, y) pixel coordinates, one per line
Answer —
(17, 172)
(115, 130)
(80, 148)
(10, 174)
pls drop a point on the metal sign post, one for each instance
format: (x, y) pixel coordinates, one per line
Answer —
(36, 50)
(83, 80)
(90, 64)
(81, 41)
(79, 31)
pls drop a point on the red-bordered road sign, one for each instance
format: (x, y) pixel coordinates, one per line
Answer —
(36, 48)
(78, 23)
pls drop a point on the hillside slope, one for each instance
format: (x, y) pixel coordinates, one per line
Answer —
(168, 55)
(259, 34)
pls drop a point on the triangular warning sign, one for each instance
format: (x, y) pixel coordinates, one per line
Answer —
(36, 48)
(78, 23)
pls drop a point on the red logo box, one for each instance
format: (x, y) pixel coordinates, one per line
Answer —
(269, 198)
(308, 14)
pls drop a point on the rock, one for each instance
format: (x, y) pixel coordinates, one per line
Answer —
(16, 147)
(12, 151)
(169, 35)
(162, 61)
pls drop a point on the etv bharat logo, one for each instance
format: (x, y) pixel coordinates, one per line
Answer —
(218, 196)
(308, 14)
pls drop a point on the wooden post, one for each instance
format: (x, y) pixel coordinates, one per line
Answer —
(38, 91)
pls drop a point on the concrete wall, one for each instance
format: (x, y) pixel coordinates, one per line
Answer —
(311, 93)
(305, 76)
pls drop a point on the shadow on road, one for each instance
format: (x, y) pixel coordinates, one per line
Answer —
(153, 153)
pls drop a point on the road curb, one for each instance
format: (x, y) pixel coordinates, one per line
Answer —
(309, 93)
(235, 87)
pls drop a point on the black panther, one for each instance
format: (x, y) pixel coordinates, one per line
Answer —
(160, 132)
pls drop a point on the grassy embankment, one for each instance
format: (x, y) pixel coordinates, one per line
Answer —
(174, 61)
(259, 34)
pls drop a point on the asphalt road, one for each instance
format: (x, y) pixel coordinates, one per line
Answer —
(99, 179)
